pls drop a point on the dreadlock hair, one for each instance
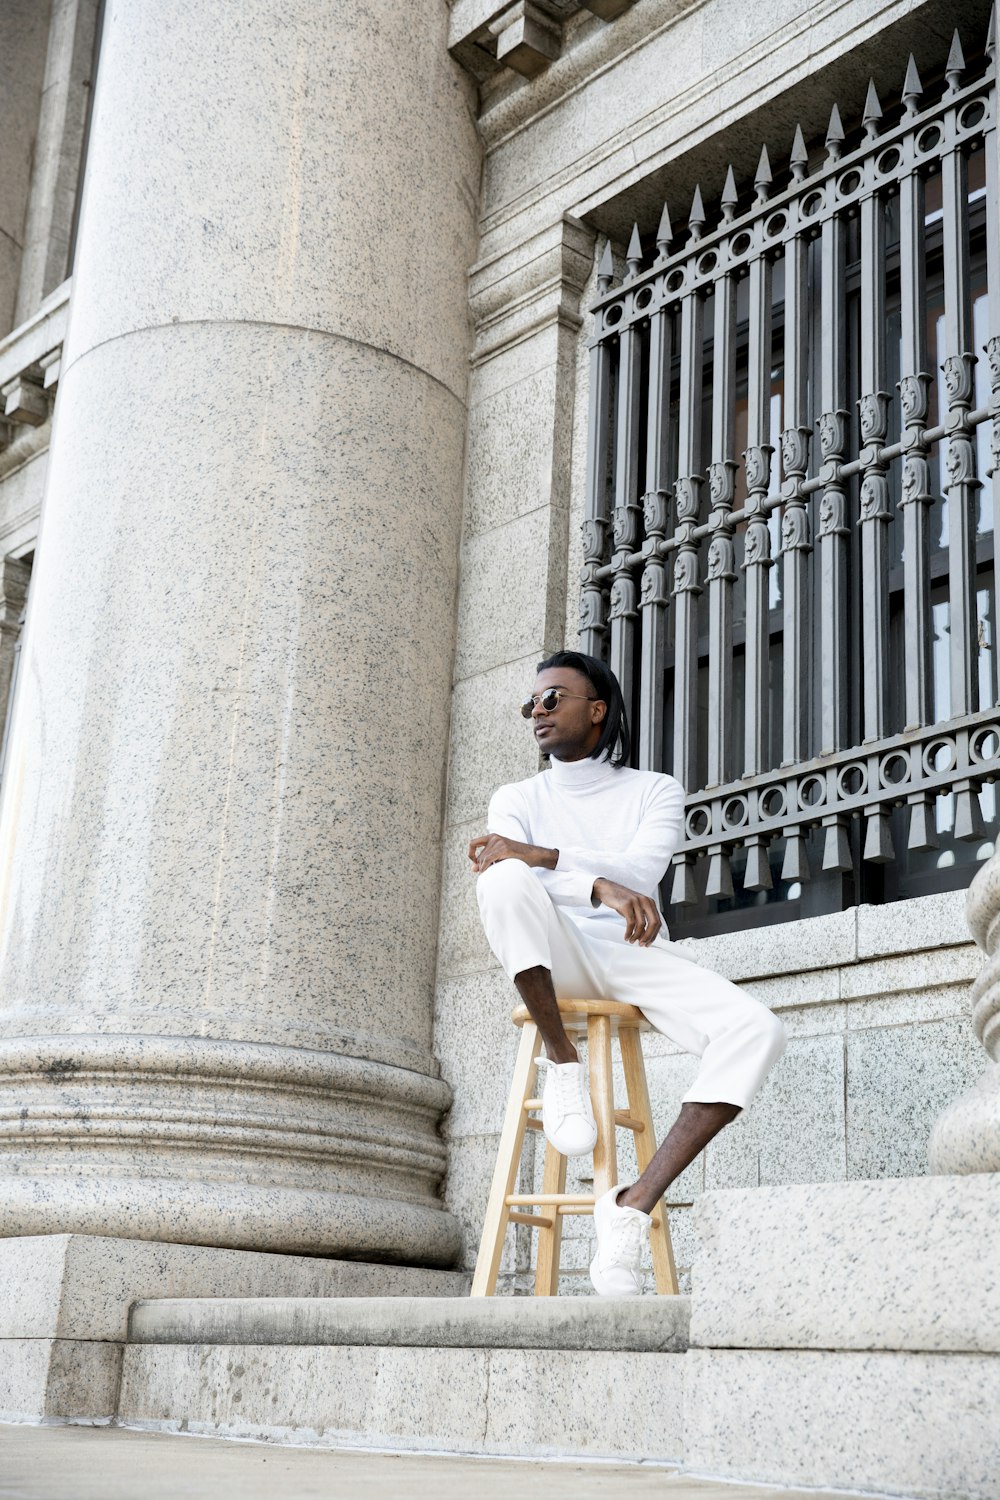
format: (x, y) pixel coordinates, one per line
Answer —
(615, 741)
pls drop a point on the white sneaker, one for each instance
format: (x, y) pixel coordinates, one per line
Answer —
(616, 1269)
(567, 1116)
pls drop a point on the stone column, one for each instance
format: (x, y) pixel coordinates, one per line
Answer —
(220, 834)
(966, 1137)
(24, 27)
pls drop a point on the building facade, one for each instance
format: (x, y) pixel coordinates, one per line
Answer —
(663, 327)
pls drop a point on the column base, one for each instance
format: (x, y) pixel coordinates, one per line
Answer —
(966, 1137)
(231, 1144)
(65, 1299)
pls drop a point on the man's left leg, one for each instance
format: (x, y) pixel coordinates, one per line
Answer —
(690, 1133)
(738, 1039)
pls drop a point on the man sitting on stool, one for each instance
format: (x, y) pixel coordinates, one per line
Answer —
(568, 876)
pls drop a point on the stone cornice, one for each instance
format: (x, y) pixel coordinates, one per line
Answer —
(488, 37)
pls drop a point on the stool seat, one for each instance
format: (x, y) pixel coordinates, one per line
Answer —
(575, 1014)
(602, 1021)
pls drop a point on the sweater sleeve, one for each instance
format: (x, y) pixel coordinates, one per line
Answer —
(566, 887)
(643, 863)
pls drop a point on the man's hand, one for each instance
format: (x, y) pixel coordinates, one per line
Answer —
(488, 848)
(642, 920)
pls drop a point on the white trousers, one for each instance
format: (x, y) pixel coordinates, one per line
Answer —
(737, 1038)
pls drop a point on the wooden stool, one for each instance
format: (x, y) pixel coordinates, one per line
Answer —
(601, 1020)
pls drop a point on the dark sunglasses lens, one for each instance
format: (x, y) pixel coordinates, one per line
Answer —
(526, 708)
(550, 700)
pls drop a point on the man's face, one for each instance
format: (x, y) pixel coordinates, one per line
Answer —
(571, 730)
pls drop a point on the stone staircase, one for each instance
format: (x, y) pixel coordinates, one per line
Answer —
(559, 1377)
(839, 1336)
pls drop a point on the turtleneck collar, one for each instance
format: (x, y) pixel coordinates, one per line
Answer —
(575, 775)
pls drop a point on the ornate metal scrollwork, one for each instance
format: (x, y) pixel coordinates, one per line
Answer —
(686, 572)
(721, 559)
(623, 598)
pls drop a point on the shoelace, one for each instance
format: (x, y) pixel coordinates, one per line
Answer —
(571, 1098)
(626, 1239)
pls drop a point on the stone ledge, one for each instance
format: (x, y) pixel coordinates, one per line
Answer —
(909, 1263)
(916, 1425)
(639, 1325)
(80, 1287)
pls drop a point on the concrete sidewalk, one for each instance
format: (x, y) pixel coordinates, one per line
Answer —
(105, 1463)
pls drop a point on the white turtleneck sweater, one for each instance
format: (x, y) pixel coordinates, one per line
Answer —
(622, 825)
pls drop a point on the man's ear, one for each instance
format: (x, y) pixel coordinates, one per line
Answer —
(599, 703)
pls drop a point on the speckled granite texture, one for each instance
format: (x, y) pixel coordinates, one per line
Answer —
(915, 1425)
(912, 1263)
(521, 1401)
(76, 1287)
(966, 1138)
(23, 37)
(222, 819)
(58, 1380)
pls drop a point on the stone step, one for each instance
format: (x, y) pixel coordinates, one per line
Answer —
(547, 1377)
(649, 1325)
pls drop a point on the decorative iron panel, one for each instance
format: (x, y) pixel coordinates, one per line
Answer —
(833, 552)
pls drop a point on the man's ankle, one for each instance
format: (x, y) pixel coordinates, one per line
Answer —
(632, 1197)
(566, 1054)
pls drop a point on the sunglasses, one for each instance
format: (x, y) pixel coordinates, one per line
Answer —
(550, 700)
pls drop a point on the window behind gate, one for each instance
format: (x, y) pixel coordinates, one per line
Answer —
(790, 498)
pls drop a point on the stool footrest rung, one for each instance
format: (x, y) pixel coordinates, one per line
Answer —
(628, 1122)
(545, 1200)
(534, 1221)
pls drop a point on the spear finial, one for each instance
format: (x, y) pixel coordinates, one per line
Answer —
(955, 66)
(664, 233)
(872, 112)
(730, 198)
(762, 180)
(799, 160)
(834, 136)
(696, 218)
(912, 87)
(633, 254)
(605, 270)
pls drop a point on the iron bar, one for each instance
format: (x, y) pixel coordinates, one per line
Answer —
(592, 599)
(625, 524)
(960, 459)
(721, 570)
(686, 587)
(655, 507)
(757, 539)
(796, 543)
(833, 528)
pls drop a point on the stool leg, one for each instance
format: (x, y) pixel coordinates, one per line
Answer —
(602, 1098)
(664, 1270)
(550, 1240)
(484, 1281)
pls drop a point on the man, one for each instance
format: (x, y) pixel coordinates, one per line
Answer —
(567, 884)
